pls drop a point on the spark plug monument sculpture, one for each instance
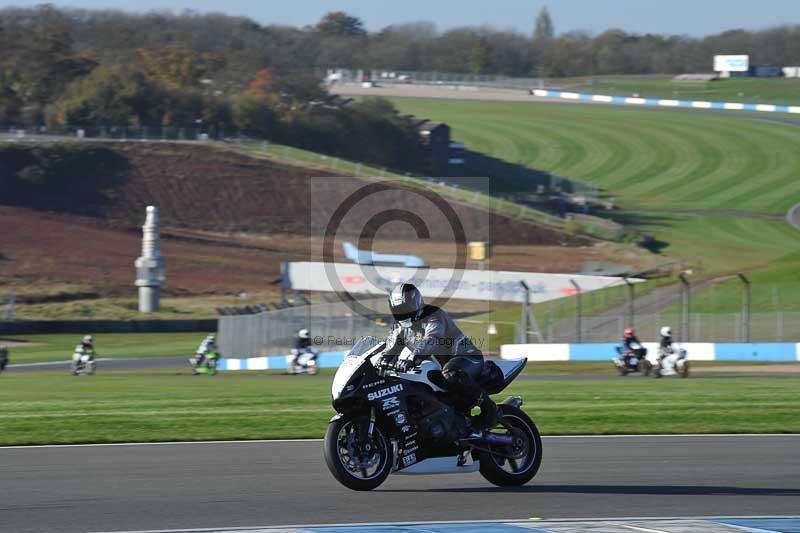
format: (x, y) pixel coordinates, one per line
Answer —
(150, 266)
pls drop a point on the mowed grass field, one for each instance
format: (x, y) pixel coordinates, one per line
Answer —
(755, 90)
(41, 408)
(703, 185)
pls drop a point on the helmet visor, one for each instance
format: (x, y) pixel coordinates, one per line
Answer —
(404, 314)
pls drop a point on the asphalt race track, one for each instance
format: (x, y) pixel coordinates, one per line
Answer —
(252, 484)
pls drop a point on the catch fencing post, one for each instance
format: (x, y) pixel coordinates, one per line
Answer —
(745, 306)
(685, 288)
(525, 318)
(631, 298)
(578, 310)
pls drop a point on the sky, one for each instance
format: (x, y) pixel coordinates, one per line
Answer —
(690, 17)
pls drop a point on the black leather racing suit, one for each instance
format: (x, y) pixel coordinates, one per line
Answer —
(435, 335)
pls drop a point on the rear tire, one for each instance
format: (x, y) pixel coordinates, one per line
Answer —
(685, 372)
(645, 367)
(339, 445)
(503, 472)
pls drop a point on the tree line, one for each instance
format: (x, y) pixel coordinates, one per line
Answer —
(90, 67)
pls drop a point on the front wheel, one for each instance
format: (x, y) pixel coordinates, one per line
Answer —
(521, 460)
(357, 460)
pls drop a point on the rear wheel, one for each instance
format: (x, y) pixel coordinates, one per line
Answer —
(684, 373)
(522, 458)
(645, 367)
(357, 460)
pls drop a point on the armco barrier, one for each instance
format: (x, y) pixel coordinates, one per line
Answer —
(697, 351)
(277, 362)
(691, 104)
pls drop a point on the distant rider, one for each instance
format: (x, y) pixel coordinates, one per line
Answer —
(629, 343)
(3, 357)
(302, 345)
(86, 347)
(665, 346)
(429, 332)
(208, 346)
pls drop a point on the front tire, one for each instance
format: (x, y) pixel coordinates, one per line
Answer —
(527, 451)
(356, 461)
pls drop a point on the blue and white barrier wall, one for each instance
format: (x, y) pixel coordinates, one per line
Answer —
(697, 351)
(277, 362)
(692, 104)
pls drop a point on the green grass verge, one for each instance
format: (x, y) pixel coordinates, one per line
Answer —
(41, 408)
(59, 347)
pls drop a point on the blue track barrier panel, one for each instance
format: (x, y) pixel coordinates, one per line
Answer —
(592, 352)
(777, 351)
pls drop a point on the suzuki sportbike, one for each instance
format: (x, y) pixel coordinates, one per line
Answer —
(391, 422)
(633, 359)
(672, 362)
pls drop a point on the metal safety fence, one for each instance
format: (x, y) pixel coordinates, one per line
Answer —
(701, 327)
(333, 326)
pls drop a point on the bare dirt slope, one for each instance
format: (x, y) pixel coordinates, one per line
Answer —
(228, 220)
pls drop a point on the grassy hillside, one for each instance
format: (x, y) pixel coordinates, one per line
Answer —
(755, 90)
(709, 188)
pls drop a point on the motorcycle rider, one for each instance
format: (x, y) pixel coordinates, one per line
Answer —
(629, 343)
(208, 345)
(3, 357)
(85, 347)
(665, 346)
(302, 345)
(429, 332)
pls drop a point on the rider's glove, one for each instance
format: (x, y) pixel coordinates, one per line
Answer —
(404, 365)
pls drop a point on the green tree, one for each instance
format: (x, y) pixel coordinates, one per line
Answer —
(544, 25)
(253, 116)
(341, 24)
(481, 56)
(109, 96)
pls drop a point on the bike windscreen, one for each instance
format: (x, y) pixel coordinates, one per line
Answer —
(360, 353)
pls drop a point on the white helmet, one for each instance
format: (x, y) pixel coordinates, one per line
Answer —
(87, 339)
(304, 334)
(666, 331)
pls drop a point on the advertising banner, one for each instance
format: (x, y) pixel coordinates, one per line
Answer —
(443, 283)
